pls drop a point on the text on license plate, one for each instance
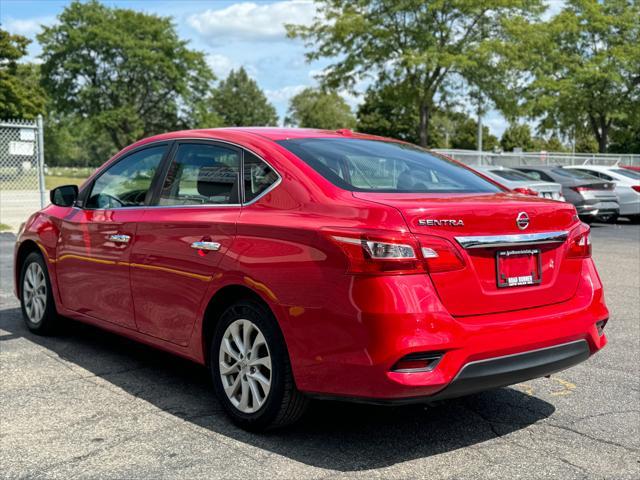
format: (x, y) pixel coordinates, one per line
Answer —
(515, 268)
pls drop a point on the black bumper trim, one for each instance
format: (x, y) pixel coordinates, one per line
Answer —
(502, 371)
(493, 373)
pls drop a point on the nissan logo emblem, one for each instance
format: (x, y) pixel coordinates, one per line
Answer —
(522, 220)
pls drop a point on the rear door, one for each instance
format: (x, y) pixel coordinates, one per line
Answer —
(96, 239)
(183, 236)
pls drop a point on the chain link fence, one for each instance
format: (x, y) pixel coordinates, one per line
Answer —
(514, 159)
(22, 187)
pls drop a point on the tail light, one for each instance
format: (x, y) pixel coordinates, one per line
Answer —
(636, 188)
(580, 243)
(526, 191)
(440, 255)
(583, 188)
(395, 252)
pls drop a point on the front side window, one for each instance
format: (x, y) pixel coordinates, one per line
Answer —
(258, 176)
(126, 183)
(202, 174)
(628, 173)
(377, 166)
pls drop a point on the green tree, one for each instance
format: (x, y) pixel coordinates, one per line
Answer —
(125, 72)
(466, 133)
(584, 64)
(315, 108)
(417, 46)
(20, 93)
(517, 136)
(239, 102)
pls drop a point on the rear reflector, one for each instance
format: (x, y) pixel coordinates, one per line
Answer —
(418, 362)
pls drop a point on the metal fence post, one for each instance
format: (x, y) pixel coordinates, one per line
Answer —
(41, 185)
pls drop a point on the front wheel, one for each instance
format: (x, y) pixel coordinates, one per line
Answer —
(36, 298)
(251, 370)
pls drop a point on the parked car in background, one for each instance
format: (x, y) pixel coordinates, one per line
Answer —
(593, 198)
(627, 186)
(631, 167)
(308, 263)
(522, 183)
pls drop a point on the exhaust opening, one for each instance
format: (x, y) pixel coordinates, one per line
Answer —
(600, 326)
(418, 362)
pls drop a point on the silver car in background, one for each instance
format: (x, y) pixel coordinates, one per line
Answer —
(627, 184)
(521, 182)
(594, 199)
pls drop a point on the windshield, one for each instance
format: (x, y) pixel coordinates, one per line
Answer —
(377, 166)
(512, 175)
(565, 172)
(628, 173)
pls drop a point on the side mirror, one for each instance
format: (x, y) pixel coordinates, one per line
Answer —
(64, 196)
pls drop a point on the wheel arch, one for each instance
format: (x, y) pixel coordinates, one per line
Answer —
(24, 250)
(219, 302)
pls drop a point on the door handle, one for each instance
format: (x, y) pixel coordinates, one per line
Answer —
(119, 238)
(210, 246)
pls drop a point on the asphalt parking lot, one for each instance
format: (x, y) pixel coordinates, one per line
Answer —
(88, 404)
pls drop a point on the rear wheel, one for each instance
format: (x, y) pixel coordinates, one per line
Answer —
(36, 298)
(251, 370)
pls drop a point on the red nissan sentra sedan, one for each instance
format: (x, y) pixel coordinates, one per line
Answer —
(341, 265)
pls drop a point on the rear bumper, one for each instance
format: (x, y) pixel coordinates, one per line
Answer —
(480, 352)
(598, 208)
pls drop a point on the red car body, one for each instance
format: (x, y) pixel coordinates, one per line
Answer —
(391, 334)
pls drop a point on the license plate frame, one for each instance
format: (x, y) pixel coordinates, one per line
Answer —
(526, 279)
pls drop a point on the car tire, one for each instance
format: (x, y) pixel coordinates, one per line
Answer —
(36, 298)
(251, 370)
(608, 218)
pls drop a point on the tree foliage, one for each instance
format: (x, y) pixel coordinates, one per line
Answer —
(239, 102)
(517, 136)
(584, 66)
(316, 108)
(20, 93)
(125, 72)
(417, 46)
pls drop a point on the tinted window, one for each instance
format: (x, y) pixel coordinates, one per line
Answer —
(201, 175)
(126, 183)
(628, 173)
(258, 176)
(375, 166)
(512, 175)
(538, 175)
(571, 173)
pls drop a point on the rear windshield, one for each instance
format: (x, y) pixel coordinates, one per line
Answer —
(512, 175)
(376, 166)
(566, 172)
(627, 173)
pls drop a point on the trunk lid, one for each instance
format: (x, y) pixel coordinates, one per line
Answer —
(473, 290)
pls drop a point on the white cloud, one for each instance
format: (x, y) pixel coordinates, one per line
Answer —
(250, 21)
(28, 27)
(222, 65)
(284, 94)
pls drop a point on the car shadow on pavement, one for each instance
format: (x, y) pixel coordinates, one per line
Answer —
(332, 435)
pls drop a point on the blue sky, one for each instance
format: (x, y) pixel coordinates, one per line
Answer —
(231, 34)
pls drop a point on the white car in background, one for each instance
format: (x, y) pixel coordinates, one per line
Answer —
(627, 186)
(521, 182)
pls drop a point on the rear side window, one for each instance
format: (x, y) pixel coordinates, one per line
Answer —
(628, 173)
(126, 183)
(572, 173)
(258, 176)
(512, 175)
(202, 174)
(376, 166)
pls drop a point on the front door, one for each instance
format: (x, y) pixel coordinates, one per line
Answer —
(182, 238)
(97, 239)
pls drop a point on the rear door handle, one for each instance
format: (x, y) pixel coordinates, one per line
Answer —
(210, 246)
(119, 238)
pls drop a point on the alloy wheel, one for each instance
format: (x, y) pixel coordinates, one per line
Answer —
(34, 294)
(245, 366)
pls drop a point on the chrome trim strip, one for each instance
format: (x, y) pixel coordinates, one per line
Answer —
(486, 241)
